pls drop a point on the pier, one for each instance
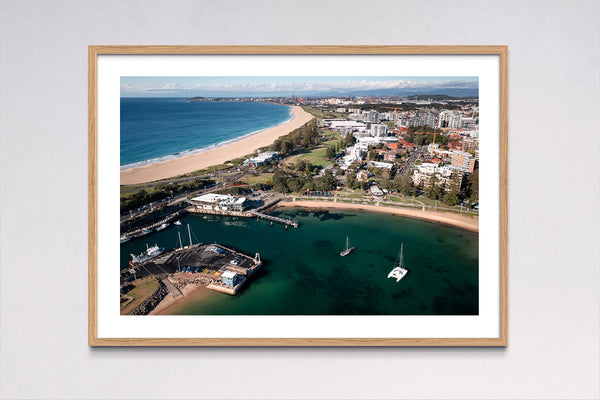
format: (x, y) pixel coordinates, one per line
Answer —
(139, 231)
(268, 217)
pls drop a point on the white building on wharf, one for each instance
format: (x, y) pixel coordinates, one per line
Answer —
(219, 202)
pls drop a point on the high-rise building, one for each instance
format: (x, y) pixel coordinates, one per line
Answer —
(378, 130)
(464, 161)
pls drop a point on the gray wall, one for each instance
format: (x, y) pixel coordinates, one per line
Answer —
(554, 197)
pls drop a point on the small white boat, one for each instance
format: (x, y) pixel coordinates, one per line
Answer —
(399, 271)
(348, 249)
(125, 239)
(146, 231)
(163, 226)
(178, 223)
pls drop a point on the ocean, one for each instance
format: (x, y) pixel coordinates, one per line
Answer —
(154, 129)
(303, 273)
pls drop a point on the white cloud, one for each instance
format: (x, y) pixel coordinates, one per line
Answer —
(296, 87)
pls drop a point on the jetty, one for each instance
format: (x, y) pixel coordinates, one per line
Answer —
(268, 217)
(140, 231)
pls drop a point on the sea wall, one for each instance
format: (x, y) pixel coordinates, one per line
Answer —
(151, 302)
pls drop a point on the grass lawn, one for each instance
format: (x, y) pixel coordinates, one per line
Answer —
(317, 156)
(257, 178)
(350, 195)
(323, 113)
(142, 290)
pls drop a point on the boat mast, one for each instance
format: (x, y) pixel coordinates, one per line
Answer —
(401, 255)
(190, 235)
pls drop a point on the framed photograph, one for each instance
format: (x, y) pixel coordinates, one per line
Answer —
(298, 195)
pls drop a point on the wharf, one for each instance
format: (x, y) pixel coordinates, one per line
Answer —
(245, 214)
(274, 219)
(138, 232)
(200, 264)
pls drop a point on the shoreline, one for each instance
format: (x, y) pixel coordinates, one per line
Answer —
(200, 150)
(169, 302)
(215, 155)
(446, 218)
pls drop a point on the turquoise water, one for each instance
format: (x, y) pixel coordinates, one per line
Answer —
(303, 273)
(160, 128)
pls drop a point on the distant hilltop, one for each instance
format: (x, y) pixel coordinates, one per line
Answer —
(437, 97)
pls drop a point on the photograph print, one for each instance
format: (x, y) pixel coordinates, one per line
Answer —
(299, 195)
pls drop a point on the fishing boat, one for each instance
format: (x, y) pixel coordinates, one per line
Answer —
(348, 249)
(125, 239)
(178, 223)
(399, 271)
(149, 254)
(162, 226)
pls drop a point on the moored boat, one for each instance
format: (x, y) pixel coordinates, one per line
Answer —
(149, 254)
(145, 232)
(399, 271)
(125, 239)
(348, 249)
(162, 226)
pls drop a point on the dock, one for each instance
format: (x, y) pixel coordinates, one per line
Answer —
(198, 264)
(268, 217)
(139, 231)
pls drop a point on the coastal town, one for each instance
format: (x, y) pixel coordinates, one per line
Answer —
(416, 156)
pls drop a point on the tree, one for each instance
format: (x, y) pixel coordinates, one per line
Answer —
(372, 155)
(472, 187)
(285, 147)
(451, 198)
(404, 184)
(280, 182)
(433, 190)
(351, 179)
(330, 152)
(309, 184)
(326, 182)
(302, 165)
(294, 184)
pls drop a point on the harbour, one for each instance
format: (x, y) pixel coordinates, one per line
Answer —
(302, 272)
(213, 266)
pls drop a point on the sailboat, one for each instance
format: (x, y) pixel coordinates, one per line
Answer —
(348, 249)
(399, 272)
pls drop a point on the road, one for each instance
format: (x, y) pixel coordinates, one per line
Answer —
(410, 161)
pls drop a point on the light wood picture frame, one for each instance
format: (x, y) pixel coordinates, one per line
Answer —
(101, 94)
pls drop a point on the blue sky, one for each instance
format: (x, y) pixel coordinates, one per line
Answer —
(227, 86)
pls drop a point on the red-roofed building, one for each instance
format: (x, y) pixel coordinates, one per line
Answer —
(393, 145)
(455, 145)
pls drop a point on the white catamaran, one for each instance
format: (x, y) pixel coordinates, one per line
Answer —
(399, 272)
(348, 249)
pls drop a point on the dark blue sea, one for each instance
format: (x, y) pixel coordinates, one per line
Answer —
(158, 128)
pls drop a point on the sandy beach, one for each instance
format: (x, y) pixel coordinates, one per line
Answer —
(453, 219)
(196, 291)
(193, 162)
